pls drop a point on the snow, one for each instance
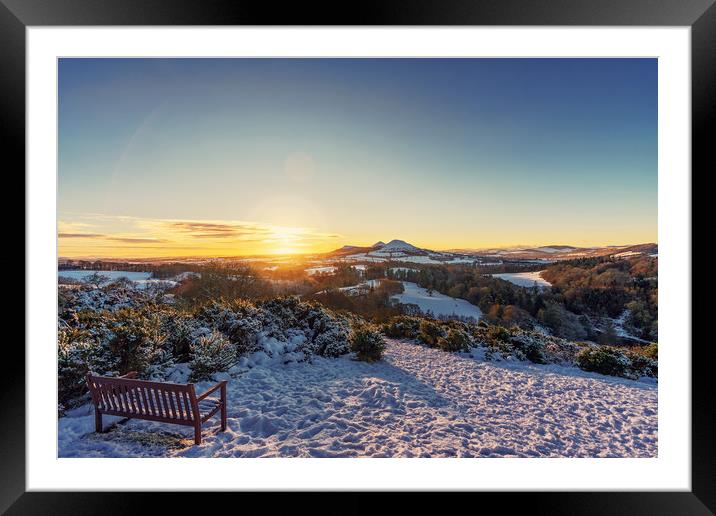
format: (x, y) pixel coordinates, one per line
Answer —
(417, 402)
(399, 245)
(524, 279)
(627, 254)
(437, 303)
(398, 255)
(320, 270)
(460, 260)
(364, 258)
(547, 249)
(112, 275)
(361, 287)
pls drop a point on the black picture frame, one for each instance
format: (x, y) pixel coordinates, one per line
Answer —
(700, 15)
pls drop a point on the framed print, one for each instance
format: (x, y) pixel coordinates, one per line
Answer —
(270, 251)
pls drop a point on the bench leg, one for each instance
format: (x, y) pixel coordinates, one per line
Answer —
(97, 420)
(197, 434)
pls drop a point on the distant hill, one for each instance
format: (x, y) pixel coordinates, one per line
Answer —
(562, 252)
(380, 248)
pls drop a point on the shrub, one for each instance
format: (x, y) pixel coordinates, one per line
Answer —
(402, 327)
(180, 330)
(498, 334)
(642, 365)
(332, 340)
(650, 351)
(326, 334)
(367, 343)
(239, 320)
(430, 332)
(456, 340)
(532, 349)
(604, 360)
(77, 355)
(211, 354)
(137, 339)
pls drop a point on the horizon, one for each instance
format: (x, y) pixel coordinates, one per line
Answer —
(308, 254)
(179, 158)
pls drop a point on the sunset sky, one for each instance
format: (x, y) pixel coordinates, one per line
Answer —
(198, 157)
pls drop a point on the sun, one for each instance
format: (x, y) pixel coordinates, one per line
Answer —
(284, 240)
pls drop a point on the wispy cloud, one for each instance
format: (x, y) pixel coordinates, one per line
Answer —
(138, 240)
(202, 236)
(80, 235)
(218, 229)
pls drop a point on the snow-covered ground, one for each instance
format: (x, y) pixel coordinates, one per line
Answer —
(320, 270)
(524, 279)
(437, 303)
(139, 279)
(431, 259)
(361, 287)
(112, 275)
(417, 402)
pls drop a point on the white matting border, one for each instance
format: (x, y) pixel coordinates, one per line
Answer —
(671, 470)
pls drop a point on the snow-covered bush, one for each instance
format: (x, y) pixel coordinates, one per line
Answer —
(642, 366)
(525, 344)
(604, 360)
(78, 354)
(531, 348)
(326, 334)
(113, 296)
(650, 351)
(498, 334)
(617, 362)
(367, 343)
(402, 327)
(211, 354)
(455, 340)
(240, 321)
(181, 330)
(430, 332)
(137, 340)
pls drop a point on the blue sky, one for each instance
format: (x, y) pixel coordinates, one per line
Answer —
(322, 152)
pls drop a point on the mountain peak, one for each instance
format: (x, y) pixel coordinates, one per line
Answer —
(378, 244)
(399, 245)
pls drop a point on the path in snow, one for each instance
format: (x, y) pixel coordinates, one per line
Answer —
(417, 402)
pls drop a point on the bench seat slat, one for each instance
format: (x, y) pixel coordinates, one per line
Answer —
(167, 408)
(131, 394)
(160, 405)
(187, 406)
(145, 403)
(170, 395)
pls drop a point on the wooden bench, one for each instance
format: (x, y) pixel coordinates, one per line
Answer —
(174, 403)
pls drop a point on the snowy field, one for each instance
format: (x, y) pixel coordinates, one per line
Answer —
(524, 279)
(320, 270)
(112, 275)
(417, 402)
(437, 303)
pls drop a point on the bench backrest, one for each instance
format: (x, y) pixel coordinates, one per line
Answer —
(157, 401)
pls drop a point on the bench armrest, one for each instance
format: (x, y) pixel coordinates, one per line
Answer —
(212, 389)
(130, 375)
